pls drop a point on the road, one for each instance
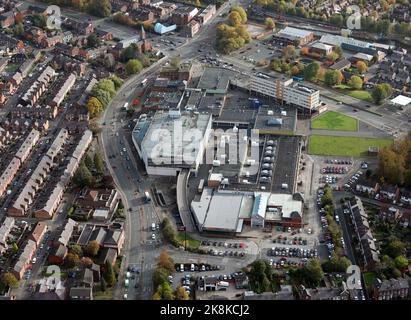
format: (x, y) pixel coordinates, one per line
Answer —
(139, 249)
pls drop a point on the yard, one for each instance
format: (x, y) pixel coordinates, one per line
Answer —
(343, 146)
(369, 279)
(332, 120)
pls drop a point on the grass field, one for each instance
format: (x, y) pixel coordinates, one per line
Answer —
(360, 94)
(343, 146)
(332, 120)
(369, 278)
(190, 241)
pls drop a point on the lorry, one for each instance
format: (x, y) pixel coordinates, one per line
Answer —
(143, 82)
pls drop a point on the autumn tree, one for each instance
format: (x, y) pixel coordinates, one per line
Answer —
(72, 260)
(86, 262)
(269, 23)
(182, 294)
(166, 262)
(339, 51)
(333, 77)
(94, 106)
(289, 52)
(76, 249)
(234, 19)
(242, 13)
(355, 82)
(9, 280)
(92, 248)
(361, 66)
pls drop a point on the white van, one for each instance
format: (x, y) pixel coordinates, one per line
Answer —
(192, 267)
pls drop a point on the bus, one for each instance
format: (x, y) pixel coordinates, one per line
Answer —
(200, 186)
(143, 82)
(147, 195)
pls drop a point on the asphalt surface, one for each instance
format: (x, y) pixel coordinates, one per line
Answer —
(139, 249)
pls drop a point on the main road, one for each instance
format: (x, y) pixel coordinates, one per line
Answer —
(140, 250)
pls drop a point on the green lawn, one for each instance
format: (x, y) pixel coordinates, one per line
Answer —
(190, 241)
(100, 295)
(343, 146)
(332, 120)
(369, 278)
(360, 94)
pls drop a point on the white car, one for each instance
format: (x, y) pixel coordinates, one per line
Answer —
(153, 236)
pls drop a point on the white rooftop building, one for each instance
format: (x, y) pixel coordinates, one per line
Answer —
(171, 141)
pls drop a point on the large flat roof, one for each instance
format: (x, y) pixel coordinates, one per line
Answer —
(177, 131)
(221, 210)
(215, 79)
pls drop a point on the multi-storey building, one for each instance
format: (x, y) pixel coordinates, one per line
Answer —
(286, 91)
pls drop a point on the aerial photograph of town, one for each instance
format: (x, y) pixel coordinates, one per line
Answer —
(205, 150)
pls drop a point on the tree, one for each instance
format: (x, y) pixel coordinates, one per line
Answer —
(15, 247)
(242, 13)
(103, 284)
(18, 29)
(315, 271)
(234, 18)
(39, 21)
(166, 262)
(395, 247)
(181, 294)
(83, 177)
(295, 70)
(160, 276)
(92, 248)
(333, 56)
(86, 262)
(9, 280)
(269, 23)
(133, 66)
(361, 66)
(311, 71)
(72, 260)
(76, 249)
(381, 92)
(109, 275)
(401, 262)
(118, 82)
(100, 8)
(333, 77)
(88, 162)
(145, 61)
(355, 82)
(339, 51)
(93, 41)
(98, 163)
(94, 106)
(288, 52)
(108, 182)
(131, 52)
